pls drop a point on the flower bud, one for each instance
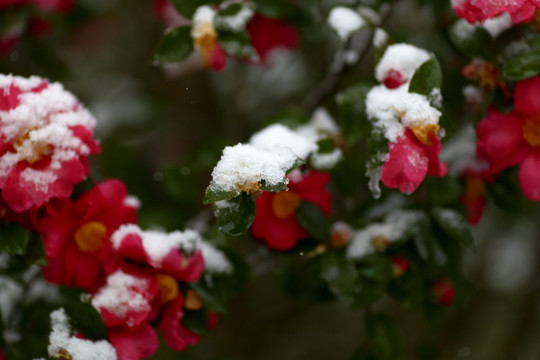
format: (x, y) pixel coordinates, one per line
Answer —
(443, 291)
(400, 265)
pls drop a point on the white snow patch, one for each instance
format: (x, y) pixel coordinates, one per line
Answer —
(344, 21)
(244, 165)
(123, 293)
(404, 58)
(391, 110)
(60, 341)
(280, 135)
(236, 22)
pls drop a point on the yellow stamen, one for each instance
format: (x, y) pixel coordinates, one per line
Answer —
(380, 243)
(62, 354)
(193, 300)
(249, 187)
(167, 288)
(205, 40)
(31, 151)
(90, 236)
(425, 133)
(531, 131)
(284, 204)
(489, 76)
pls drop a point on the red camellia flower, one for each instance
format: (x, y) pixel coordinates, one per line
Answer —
(127, 302)
(45, 141)
(409, 161)
(76, 234)
(521, 11)
(510, 139)
(161, 256)
(275, 220)
(267, 34)
(443, 292)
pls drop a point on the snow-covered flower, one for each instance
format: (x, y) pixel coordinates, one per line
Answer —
(45, 140)
(408, 121)
(521, 11)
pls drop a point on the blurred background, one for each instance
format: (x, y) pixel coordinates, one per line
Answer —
(162, 130)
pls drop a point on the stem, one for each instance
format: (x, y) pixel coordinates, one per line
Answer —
(340, 66)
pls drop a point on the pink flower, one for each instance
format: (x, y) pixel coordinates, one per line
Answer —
(521, 11)
(45, 142)
(275, 220)
(410, 160)
(76, 234)
(176, 335)
(505, 140)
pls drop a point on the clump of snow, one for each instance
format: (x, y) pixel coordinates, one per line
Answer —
(303, 140)
(391, 229)
(344, 21)
(380, 38)
(236, 22)
(497, 25)
(122, 295)
(132, 201)
(391, 110)
(243, 167)
(61, 342)
(326, 161)
(280, 135)
(403, 58)
(157, 244)
(203, 21)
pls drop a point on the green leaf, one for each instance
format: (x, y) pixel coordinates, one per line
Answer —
(338, 273)
(352, 102)
(218, 290)
(455, 226)
(376, 267)
(234, 217)
(187, 7)
(213, 194)
(175, 45)
(366, 292)
(311, 218)
(326, 146)
(86, 318)
(383, 337)
(35, 252)
(13, 239)
(237, 44)
(196, 321)
(477, 43)
(275, 8)
(522, 66)
(427, 78)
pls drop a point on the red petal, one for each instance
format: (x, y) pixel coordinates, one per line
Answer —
(176, 335)
(283, 234)
(267, 34)
(218, 58)
(500, 140)
(475, 208)
(9, 98)
(406, 166)
(526, 97)
(312, 188)
(134, 344)
(529, 176)
(435, 166)
(184, 268)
